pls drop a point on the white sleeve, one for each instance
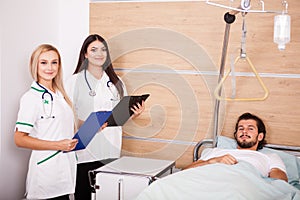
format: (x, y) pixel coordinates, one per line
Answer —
(28, 113)
(206, 153)
(125, 90)
(276, 162)
(70, 85)
(124, 87)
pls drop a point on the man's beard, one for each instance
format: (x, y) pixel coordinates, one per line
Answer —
(245, 144)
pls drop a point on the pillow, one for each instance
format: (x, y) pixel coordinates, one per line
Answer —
(226, 143)
(291, 162)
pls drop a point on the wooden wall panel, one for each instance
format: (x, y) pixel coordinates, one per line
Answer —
(172, 50)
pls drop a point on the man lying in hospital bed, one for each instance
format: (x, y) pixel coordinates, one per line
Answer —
(243, 172)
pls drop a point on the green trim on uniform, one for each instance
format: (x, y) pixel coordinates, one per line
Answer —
(37, 89)
(49, 157)
(26, 124)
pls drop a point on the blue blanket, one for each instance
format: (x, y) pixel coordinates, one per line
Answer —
(219, 181)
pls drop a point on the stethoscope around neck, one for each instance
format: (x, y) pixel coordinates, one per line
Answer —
(109, 85)
(47, 114)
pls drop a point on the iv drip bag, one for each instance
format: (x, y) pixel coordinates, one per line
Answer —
(282, 25)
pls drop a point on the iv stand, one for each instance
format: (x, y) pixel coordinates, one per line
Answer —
(229, 19)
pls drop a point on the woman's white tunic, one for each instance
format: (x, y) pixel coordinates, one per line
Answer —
(106, 144)
(56, 175)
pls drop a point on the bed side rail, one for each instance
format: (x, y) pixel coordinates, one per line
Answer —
(198, 145)
(294, 150)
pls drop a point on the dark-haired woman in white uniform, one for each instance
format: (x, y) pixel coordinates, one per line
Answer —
(94, 87)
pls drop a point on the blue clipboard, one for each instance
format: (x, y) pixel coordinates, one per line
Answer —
(90, 127)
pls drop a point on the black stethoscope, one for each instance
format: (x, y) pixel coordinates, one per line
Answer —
(109, 84)
(45, 101)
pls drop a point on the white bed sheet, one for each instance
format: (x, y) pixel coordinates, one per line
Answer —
(221, 182)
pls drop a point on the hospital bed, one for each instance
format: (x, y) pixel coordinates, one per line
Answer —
(220, 181)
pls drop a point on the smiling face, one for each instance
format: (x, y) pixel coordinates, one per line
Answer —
(47, 66)
(247, 135)
(96, 54)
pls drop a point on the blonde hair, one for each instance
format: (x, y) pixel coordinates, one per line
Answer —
(58, 79)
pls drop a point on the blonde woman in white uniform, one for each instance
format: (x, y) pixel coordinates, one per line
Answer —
(95, 87)
(45, 124)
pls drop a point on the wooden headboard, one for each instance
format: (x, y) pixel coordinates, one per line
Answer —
(172, 50)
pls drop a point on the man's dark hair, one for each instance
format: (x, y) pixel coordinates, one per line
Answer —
(260, 126)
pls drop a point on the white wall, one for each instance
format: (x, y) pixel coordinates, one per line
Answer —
(24, 25)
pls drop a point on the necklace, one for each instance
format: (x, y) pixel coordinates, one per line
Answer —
(92, 92)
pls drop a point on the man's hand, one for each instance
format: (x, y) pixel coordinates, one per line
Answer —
(226, 159)
(278, 174)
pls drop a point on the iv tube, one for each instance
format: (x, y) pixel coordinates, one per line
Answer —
(282, 25)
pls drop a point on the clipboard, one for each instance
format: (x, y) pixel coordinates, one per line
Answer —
(90, 127)
(122, 111)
